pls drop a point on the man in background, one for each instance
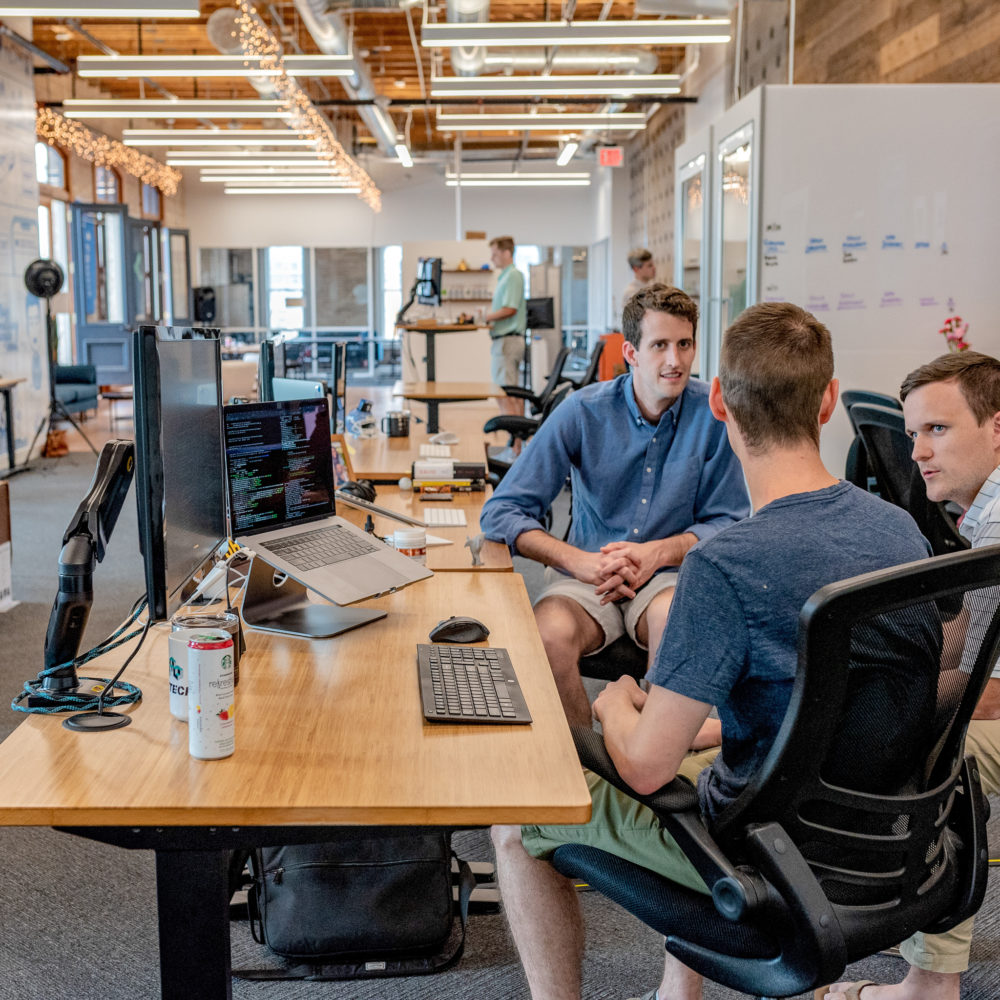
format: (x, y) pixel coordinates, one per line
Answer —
(951, 407)
(507, 320)
(643, 270)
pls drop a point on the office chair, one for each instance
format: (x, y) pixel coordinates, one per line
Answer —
(896, 477)
(856, 469)
(536, 402)
(593, 365)
(863, 825)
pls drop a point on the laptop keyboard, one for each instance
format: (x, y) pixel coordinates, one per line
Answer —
(320, 547)
(444, 517)
(469, 684)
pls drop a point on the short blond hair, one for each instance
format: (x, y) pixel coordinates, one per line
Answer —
(503, 243)
(638, 256)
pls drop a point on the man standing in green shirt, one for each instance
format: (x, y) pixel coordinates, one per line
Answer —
(507, 322)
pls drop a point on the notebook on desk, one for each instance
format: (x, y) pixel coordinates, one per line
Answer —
(279, 471)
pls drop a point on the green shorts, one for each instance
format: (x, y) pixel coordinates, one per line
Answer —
(621, 826)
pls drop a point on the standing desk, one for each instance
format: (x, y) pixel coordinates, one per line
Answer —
(436, 393)
(7, 388)
(328, 732)
(430, 331)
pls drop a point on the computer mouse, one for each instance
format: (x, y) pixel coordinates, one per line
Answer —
(458, 629)
(445, 437)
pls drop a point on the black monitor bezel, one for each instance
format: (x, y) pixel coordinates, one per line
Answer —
(434, 266)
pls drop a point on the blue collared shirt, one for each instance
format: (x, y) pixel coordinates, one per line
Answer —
(632, 480)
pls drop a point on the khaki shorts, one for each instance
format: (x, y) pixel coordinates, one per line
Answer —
(616, 619)
(623, 827)
(505, 359)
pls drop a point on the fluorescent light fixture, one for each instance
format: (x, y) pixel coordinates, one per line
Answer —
(279, 180)
(541, 86)
(285, 155)
(106, 8)
(296, 169)
(493, 34)
(156, 108)
(567, 153)
(207, 66)
(235, 160)
(501, 175)
(291, 190)
(515, 182)
(404, 154)
(569, 121)
(209, 138)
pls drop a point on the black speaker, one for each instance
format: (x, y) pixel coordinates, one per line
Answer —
(204, 304)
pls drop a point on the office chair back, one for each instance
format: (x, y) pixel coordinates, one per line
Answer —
(590, 375)
(849, 397)
(865, 823)
(536, 402)
(888, 452)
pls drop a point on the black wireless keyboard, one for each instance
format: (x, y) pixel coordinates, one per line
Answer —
(469, 684)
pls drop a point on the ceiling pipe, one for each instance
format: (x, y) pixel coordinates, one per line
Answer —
(331, 35)
(468, 60)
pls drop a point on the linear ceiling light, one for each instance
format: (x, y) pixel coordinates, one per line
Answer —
(515, 182)
(239, 167)
(541, 86)
(508, 175)
(106, 8)
(155, 108)
(569, 121)
(494, 34)
(234, 160)
(206, 66)
(403, 153)
(211, 137)
(567, 153)
(279, 180)
(292, 190)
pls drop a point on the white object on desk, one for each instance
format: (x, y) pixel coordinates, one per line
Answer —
(435, 451)
(437, 540)
(444, 517)
(445, 437)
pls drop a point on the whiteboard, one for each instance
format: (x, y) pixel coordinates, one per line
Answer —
(879, 215)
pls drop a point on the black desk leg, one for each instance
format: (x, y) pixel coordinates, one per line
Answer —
(430, 361)
(9, 414)
(432, 416)
(192, 898)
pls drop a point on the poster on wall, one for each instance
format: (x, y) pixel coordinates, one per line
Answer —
(22, 316)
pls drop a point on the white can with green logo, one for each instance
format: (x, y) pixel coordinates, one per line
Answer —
(211, 696)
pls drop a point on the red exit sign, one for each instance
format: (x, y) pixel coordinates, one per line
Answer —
(610, 156)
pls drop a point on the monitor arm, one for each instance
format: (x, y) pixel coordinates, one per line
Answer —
(84, 545)
(409, 302)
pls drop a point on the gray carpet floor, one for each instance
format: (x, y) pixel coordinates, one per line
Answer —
(78, 919)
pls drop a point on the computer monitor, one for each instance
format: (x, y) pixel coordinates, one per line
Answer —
(429, 281)
(541, 314)
(270, 365)
(338, 387)
(180, 476)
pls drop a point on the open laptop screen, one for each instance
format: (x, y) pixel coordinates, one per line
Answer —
(279, 464)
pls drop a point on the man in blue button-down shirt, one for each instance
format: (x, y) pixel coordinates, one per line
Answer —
(652, 474)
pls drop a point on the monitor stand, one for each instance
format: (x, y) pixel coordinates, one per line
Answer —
(285, 607)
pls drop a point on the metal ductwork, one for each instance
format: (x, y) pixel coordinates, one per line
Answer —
(330, 33)
(468, 60)
(224, 33)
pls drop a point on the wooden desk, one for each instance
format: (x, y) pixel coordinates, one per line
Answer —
(385, 460)
(440, 558)
(7, 388)
(435, 393)
(328, 732)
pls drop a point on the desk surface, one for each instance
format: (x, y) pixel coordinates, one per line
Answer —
(9, 383)
(440, 558)
(442, 327)
(327, 732)
(447, 391)
(384, 458)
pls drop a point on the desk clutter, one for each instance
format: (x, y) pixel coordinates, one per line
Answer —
(445, 475)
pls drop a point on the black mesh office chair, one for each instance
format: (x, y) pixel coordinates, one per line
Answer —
(536, 401)
(897, 479)
(856, 469)
(864, 824)
(591, 372)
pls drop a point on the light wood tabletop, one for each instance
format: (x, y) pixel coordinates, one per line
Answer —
(442, 327)
(9, 383)
(440, 558)
(327, 732)
(447, 392)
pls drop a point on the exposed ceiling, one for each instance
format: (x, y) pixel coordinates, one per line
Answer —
(400, 70)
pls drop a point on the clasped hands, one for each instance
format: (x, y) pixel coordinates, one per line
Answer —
(618, 570)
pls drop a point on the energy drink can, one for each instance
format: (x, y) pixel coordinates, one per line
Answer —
(211, 696)
(209, 621)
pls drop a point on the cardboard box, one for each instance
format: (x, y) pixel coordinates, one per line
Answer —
(6, 593)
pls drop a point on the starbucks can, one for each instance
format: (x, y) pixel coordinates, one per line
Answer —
(211, 696)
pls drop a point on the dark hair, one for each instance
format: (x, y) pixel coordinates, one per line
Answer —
(657, 298)
(977, 375)
(503, 243)
(638, 256)
(776, 363)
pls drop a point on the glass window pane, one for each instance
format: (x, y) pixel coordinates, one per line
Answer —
(106, 187)
(342, 287)
(735, 223)
(41, 163)
(150, 201)
(50, 168)
(286, 287)
(60, 235)
(179, 286)
(103, 268)
(392, 288)
(44, 230)
(230, 273)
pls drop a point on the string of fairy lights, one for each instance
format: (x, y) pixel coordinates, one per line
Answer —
(258, 42)
(51, 127)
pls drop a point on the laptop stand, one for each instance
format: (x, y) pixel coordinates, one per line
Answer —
(284, 607)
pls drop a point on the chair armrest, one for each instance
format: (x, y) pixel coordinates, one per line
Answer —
(520, 427)
(519, 392)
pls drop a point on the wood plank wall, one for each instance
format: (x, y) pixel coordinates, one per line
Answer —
(897, 41)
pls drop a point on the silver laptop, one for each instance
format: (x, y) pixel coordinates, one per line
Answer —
(296, 388)
(279, 468)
